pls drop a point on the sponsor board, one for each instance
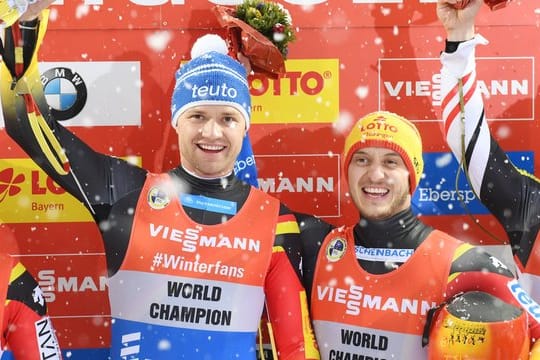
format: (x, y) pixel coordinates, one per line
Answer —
(412, 87)
(307, 93)
(55, 237)
(28, 195)
(308, 179)
(81, 337)
(305, 183)
(93, 93)
(437, 194)
(389, 1)
(175, 14)
(74, 286)
(67, 261)
(62, 283)
(109, 93)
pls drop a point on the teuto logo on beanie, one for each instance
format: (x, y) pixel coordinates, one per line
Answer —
(211, 77)
(207, 91)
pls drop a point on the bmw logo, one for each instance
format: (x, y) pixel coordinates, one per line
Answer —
(65, 92)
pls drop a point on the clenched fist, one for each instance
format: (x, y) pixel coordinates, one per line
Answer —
(34, 9)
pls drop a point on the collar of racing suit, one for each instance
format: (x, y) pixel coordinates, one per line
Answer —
(401, 231)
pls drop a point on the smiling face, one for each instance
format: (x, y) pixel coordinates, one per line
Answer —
(378, 182)
(210, 139)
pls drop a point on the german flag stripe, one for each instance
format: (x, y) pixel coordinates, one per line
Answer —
(462, 249)
(16, 272)
(287, 225)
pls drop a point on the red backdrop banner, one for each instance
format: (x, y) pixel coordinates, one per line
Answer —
(351, 57)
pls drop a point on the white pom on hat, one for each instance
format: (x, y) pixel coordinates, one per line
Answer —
(207, 43)
(203, 80)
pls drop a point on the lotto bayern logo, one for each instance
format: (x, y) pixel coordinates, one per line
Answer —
(437, 193)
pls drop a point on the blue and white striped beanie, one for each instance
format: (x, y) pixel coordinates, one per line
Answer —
(211, 77)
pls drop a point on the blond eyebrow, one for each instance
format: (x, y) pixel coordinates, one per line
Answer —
(231, 113)
(195, 111)
(393, 154)
(389, 153)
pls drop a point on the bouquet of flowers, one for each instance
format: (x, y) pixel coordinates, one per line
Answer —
(493, 4)
(261, 31)
(496, 4)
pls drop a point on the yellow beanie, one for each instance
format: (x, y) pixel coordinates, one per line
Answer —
(390, 131)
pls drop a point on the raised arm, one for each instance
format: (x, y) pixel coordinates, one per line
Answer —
(98, 181)
(462, 107)
(509, 193)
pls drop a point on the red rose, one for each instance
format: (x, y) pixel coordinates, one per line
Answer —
(279, 28)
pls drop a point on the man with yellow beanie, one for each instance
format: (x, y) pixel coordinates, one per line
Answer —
(371, 286)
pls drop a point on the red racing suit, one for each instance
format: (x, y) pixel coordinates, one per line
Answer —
(27, 332)
(202, 287)
(377, 315)
(371, 285)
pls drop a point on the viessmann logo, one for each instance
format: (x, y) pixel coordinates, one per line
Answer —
(63, 284)
(412, 87)
(52, 283)
(308, 179)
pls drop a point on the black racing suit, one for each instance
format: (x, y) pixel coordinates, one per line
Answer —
(512, 195)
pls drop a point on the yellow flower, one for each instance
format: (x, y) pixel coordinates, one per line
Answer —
(253, 13)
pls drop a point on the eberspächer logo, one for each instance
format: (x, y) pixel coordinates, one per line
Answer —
(65, 92)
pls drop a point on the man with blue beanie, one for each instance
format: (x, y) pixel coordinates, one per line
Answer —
(211, 81)
(212, 77)
(193, 254)
(195, 86)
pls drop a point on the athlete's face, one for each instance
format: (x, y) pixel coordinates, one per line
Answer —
(210, 138)
(378, 183)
